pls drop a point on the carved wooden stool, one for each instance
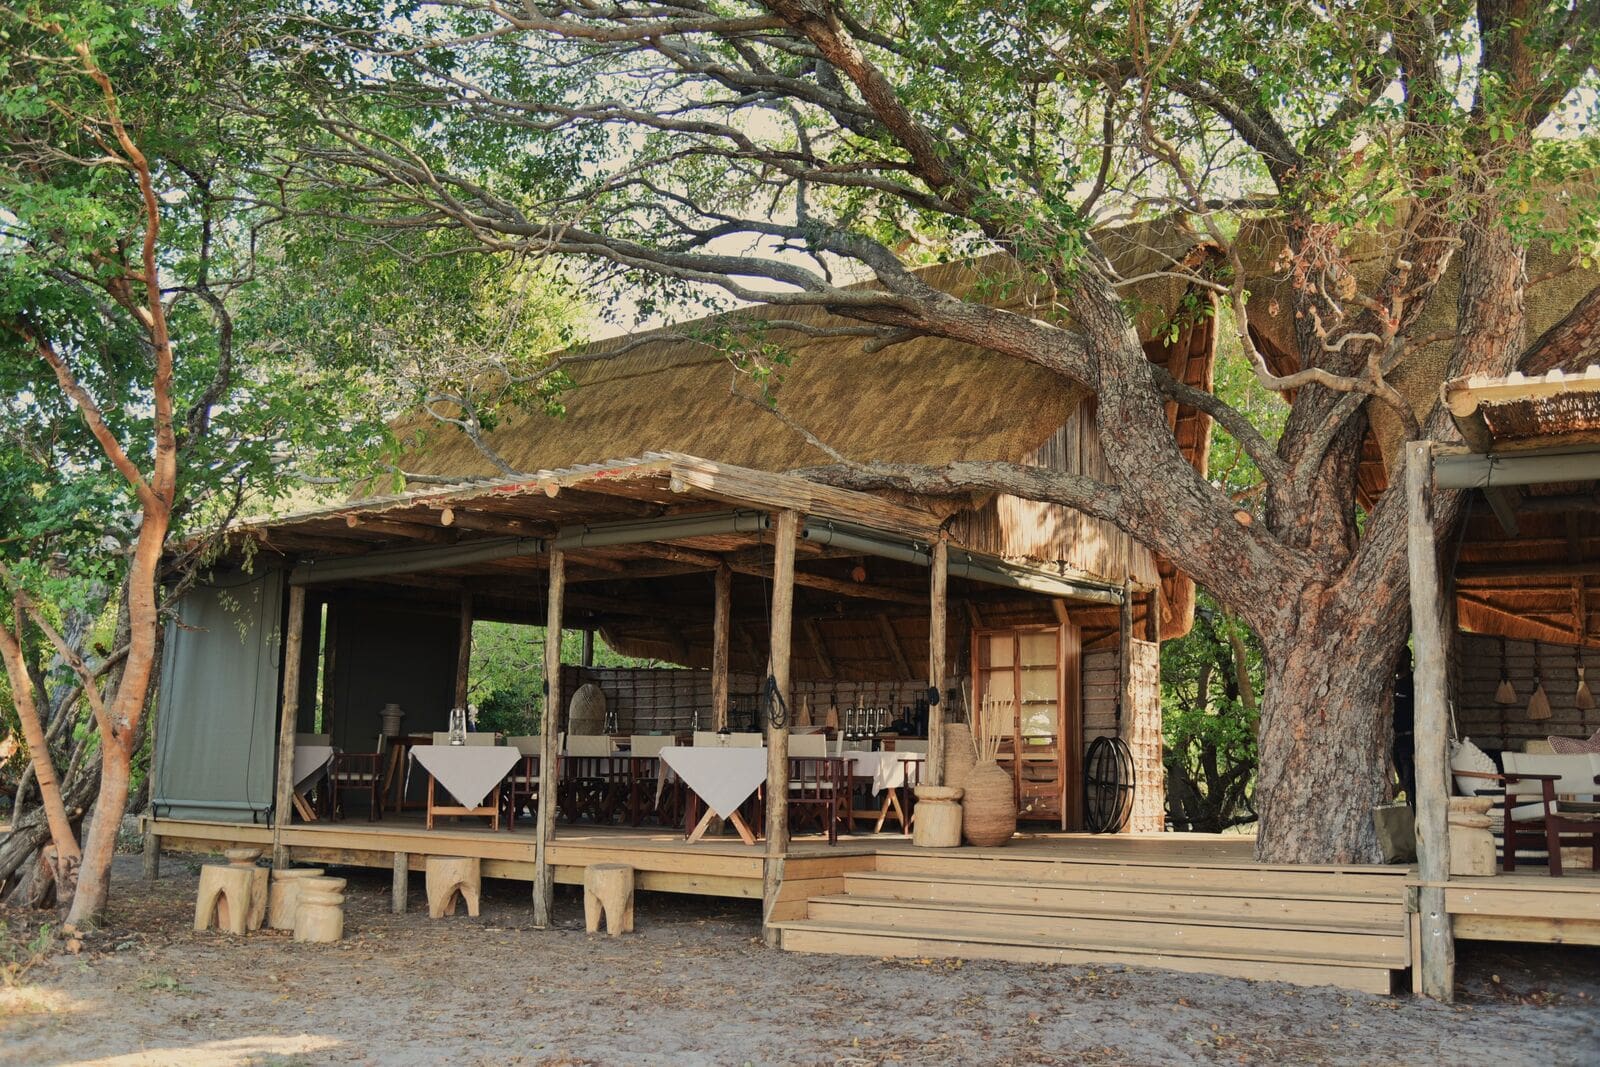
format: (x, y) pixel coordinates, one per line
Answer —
(608, 887)
(938, 817)
(319, 909)
(224, 898)
(450, 877)
(285, 887)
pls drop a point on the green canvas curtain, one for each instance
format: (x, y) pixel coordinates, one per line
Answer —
(216, 723)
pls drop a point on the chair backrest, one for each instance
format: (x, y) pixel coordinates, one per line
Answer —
(313, 739)
(482, 740)
(808, 745)
(527, 744)
(590, 745)
(441, 737)
(746, 740)
(650, 744)
(1577, 773)
(911, 744)
(709, 739)
(1539, 746)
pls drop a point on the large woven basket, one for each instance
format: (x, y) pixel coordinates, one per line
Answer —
(988, 807)
(958, 754)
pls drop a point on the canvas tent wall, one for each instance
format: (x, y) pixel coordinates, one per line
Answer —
(219, 693)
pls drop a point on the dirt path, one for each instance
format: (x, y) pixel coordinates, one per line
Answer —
(695, 986)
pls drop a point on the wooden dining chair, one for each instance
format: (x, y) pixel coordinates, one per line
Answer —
(356, 772)
(819, 794)
(522, 784)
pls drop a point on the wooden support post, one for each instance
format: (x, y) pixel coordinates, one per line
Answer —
(401, 885)
(1152, 617)
(588, 646)
(721, 619)
(152, 851)
(549, 758)
(464, 651)
(282, 806)
(1432, 726)
(938, 620)
(778, 728)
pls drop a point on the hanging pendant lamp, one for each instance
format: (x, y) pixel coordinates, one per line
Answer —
(1585, 698)
(1539, 703)
(1506, 693)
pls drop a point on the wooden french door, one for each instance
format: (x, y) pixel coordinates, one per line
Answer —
(1035, 671)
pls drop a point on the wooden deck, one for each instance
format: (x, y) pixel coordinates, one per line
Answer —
(1188, 902)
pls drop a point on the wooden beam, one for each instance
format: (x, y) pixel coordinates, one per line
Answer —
(1469, 572)
(461, 519)
(288, 716)
(938, 620)
(549, 754)
(1503, 501)
(1152, 616)
(898, 654)
(788, 525)
(411, 531)
(741, 485)
(1429, 638)
(841, 586)
(464, 650)
(819, 648)
(721, 620)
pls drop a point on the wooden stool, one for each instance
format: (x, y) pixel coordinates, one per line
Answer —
(449, 877)
(246, 858)
(938, 817)
(281, 897)
(1472, 851)
(608, 887)
(319, 909)
(224, 898)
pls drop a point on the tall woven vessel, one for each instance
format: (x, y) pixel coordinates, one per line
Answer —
(988, 806)
(958, 754)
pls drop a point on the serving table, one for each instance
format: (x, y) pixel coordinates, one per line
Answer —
(891, 773)
(469, 773)
(720, 778)
(310, 767)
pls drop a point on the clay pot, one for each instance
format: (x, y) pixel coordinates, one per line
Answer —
(988, 806)
(959, 755)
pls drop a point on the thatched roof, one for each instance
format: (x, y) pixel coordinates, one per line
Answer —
(1556, 286)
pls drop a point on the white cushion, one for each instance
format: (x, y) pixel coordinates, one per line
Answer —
(1577, 773)
(1466, 756)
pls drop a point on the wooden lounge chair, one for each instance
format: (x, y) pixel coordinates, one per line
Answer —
(1545, 801)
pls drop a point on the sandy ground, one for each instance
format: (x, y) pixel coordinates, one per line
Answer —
(695, 986)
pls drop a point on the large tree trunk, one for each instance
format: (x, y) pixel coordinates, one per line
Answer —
(1325, 737)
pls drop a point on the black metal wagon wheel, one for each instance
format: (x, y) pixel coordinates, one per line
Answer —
(1107, 785)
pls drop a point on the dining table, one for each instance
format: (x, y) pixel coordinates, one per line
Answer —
(469, 773)
(310, 768)
(720, 778)
(890, 773)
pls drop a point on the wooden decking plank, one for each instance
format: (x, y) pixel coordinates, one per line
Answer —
(810, 936)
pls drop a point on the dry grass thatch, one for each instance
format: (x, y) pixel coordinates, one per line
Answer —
(926, 400)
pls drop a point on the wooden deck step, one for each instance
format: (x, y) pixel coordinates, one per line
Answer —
(1383, 945)
(1382, 883)
(1152, 899)
(865, 939)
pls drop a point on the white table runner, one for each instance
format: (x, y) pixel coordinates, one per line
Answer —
(886, 769)
(723, 778)
(467, 772)
(310, 763)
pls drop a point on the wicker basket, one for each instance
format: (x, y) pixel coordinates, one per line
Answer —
(989, 806)
(958, 754)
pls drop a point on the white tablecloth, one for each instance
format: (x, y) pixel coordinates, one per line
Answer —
(310, 763)
(722, 777)
(468, 772)
(886, 769)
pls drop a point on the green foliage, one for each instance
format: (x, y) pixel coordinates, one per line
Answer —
(1208, 727)
(507, 672)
